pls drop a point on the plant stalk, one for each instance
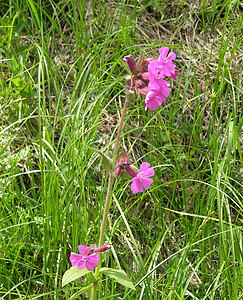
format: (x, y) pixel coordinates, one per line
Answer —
(94, 289)
(109, 190)
(110, 182)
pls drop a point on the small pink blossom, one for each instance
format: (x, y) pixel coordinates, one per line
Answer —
(87, 259)
(154, 71)
(165, 64)
(158, 92)
(154, 99)
(142, 180)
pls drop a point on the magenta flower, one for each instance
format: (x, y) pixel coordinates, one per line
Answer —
(89, 258)
(147, 76)
(154, 99)
(158, 92)
(165, 65)
(154, 71)
(142, 180)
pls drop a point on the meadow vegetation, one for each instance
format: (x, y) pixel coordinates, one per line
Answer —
(61, 94)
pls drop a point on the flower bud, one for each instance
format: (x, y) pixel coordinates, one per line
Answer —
(102, 248)
(123, 161)
(118, 171)
(131, 171)
(129, 59)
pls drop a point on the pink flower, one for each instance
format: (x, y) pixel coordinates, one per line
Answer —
(155, 71)
(154, 99)
(158, 92)
(147, 77)
(141, 181)
(165, 65)
(89, 258)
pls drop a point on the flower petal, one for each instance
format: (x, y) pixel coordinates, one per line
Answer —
(144, 166)
(152, 69)
(94, 263)
(136, 186)
(94, 258)
(171, 56)
(163, 51)
(174, 74)
(89, 266)
(81, 265)
(149, 172)
(147, 183)
(81, 249)
(75, 258)
(154, 99)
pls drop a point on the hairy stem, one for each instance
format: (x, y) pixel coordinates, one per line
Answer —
(94, 290)
(109, 189)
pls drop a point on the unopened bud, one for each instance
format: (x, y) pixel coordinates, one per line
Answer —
(129, 59)
(102, 248)
(123, 161)
(131, 171)
(118, 171)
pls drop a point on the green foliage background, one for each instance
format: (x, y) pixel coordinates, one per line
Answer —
(61, 92)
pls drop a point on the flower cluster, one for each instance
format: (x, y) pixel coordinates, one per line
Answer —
(148, 76)
(140, 179)
(89, 257)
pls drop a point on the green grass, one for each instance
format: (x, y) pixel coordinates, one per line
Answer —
(61, 92)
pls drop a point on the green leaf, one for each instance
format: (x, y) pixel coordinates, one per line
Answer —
(17, 81)
(106, 161)
(18, 28)
(73, 274)
(119, 275)
(90, 277)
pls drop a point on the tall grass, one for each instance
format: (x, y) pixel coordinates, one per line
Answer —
(61, 94)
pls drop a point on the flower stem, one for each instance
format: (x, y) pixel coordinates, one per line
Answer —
(94, 290)
(109, 188)
(110, 182)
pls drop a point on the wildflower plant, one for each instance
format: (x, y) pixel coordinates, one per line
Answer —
(147, 78)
